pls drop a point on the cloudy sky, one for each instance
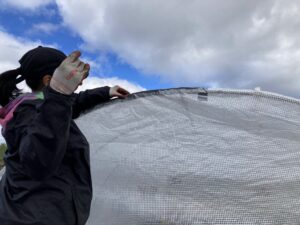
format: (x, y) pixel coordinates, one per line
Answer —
(153, 44)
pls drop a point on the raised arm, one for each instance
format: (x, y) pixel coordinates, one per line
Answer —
(88, 99)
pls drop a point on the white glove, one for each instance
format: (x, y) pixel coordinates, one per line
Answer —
(69, 74)
(117, 91)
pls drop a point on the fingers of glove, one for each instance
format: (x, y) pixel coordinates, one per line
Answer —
(117, 91)
(80, 66)
(73, 69)
(73, 56)
(123, 91)
(83, 71)
(76, 64)
(120, 95)
(86, 70)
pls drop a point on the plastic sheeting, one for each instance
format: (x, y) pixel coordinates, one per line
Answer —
(190, 156)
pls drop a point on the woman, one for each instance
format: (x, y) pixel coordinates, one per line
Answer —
(47, 179)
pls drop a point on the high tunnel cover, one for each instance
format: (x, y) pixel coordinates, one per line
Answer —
(190, 156)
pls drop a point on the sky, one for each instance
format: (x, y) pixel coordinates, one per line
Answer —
(154, 44)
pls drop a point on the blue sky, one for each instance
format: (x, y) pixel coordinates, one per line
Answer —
(153, 44)
(23, 24)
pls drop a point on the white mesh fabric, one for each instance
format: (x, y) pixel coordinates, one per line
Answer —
(175, 157)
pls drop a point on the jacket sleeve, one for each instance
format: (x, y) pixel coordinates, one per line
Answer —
(88, 99)
(44, 134)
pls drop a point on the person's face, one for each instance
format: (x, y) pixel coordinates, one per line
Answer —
(46, 80)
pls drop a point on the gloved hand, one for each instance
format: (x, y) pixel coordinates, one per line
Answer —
(117, 91)
(69, 74)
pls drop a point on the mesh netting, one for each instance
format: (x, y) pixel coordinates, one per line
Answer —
(190, 156)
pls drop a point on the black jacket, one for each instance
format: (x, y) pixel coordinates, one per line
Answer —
(47, 179)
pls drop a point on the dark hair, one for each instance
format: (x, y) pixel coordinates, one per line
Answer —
(35, 64)
(8, 86)
(34, 84)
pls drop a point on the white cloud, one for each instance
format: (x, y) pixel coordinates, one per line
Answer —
(47, 28)
(94, 82)
(233, 43)
(11, 50)
(25, 4)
